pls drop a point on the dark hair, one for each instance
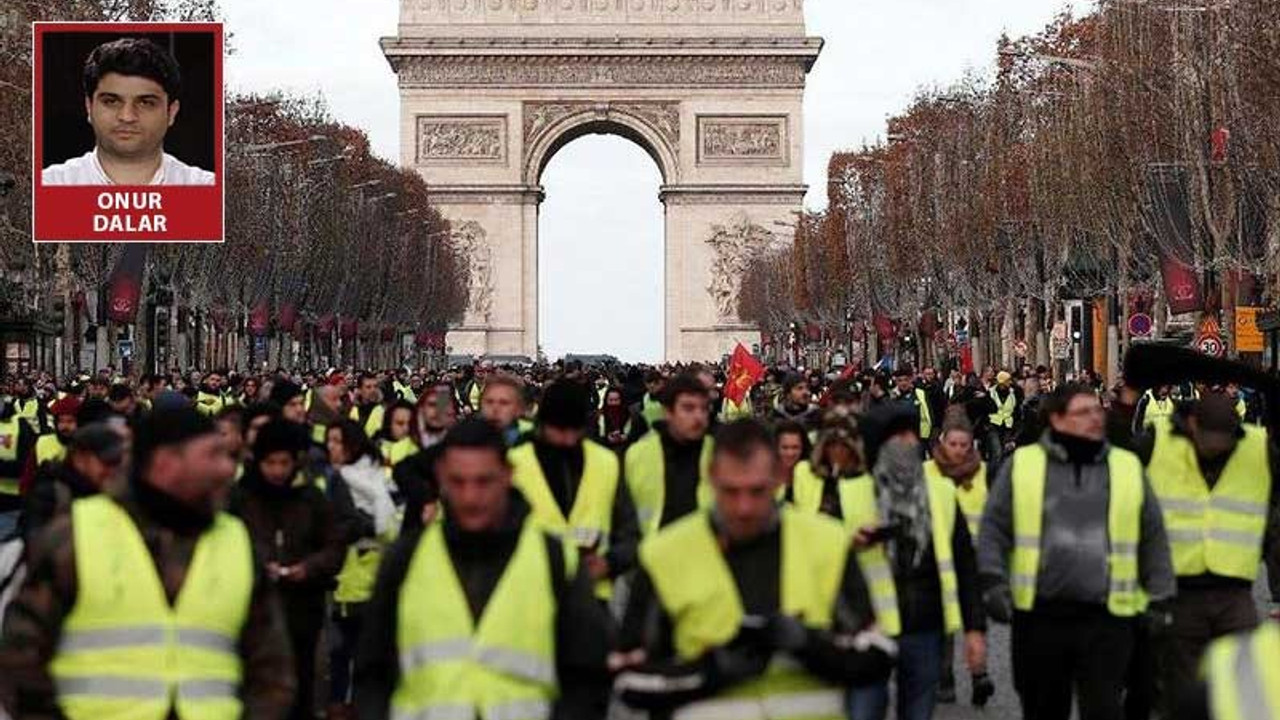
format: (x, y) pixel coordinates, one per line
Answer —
(260, 409)
(390, 411)
(119, 392)
(1057, 401)
(133, 56)
(682, 384)
(742, 439)
(475, 434)
(234, 414)
(791, 427)
(354, 440)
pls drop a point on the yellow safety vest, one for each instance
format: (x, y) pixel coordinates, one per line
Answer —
(208, 403)
(394, 452)
(972, 501)
(1217, 531)
(319, 433)
(49, 448)
(501, 666)
(1241, 673)
(406, 392)
(1242, 408)
(591, 517)
(806, 487)
(736, 411)
(651, 410)
(646, 470)
(625, 429)
(1124, 527)
(858, 505)
(10, 437)
(1157, 409)
(29, 410)
(125, 652)
(926, 418)
(1003, 416)
(373, 423)
(697, 590)
(475, 395)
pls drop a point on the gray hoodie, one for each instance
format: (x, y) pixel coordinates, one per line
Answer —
(1074, 541)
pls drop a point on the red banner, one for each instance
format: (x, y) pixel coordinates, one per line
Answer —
(288, 317)
(744, 372)
(1181, 286)
(348, 329)
(123, 297)
(260, 319)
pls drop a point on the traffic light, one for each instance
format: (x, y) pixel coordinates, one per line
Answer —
(59, 315)
(1077, 323)
(162, 329)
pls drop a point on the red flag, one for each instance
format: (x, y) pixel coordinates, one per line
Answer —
(744, 372)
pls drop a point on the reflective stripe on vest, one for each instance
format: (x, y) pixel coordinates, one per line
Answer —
(1003, 416)
(697, 590)
(1241, 673)
(1219, 531)
(499, 668)
(49, 448)
(124, 652)
(972, 500)
(1124, 525)
(926, 417)
(591, 517)
(646, 472)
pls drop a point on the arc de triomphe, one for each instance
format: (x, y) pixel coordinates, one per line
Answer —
(713, 90)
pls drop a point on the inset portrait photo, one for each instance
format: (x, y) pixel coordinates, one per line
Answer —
(127, 132)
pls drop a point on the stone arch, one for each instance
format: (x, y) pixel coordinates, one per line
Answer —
(655, 127)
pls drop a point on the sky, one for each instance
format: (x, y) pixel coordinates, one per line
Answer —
(878, 54)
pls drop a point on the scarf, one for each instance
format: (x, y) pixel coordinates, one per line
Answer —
(367, 481)
(961, 472)
(903, 500)
(615, 417)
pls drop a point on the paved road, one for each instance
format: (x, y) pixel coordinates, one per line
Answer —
(1004, 706)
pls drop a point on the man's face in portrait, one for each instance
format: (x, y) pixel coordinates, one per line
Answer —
(130, 115)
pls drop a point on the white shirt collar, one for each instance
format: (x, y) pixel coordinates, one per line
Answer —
(157, 179)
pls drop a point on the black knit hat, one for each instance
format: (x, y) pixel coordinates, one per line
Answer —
(277, 436)
(564, 404)
(167, 426)
(283, 391)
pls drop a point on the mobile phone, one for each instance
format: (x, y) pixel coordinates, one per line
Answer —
(884, 532)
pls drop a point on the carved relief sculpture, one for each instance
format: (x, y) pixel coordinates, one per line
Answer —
(736, 245)
(742, 139)
(462, 71)
(473, 242)
(465, 139)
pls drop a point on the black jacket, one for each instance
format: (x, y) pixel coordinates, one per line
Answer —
(583, 633)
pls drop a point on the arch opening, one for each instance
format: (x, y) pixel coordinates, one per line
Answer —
(600, 247)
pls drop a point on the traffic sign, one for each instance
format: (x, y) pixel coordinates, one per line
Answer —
(1210, 344)
(1020, 348)
(1140, 325)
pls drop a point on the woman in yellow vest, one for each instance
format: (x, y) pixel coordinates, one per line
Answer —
(956, 459)
(395, 440)
(355, 459)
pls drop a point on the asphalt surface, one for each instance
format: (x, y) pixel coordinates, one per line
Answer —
(1004, 706)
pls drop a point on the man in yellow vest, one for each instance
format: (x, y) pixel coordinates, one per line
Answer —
(575, 487)
(368, 409)
(52, 447)
(210, 399)
(748, 610)
(482, 615)
(1215, 478)
(1004, 401)
(28, 405)
(650, 406)
(905, 392)
(1239, 679)
(149, 604)
(667, 469)
(1071, 550)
